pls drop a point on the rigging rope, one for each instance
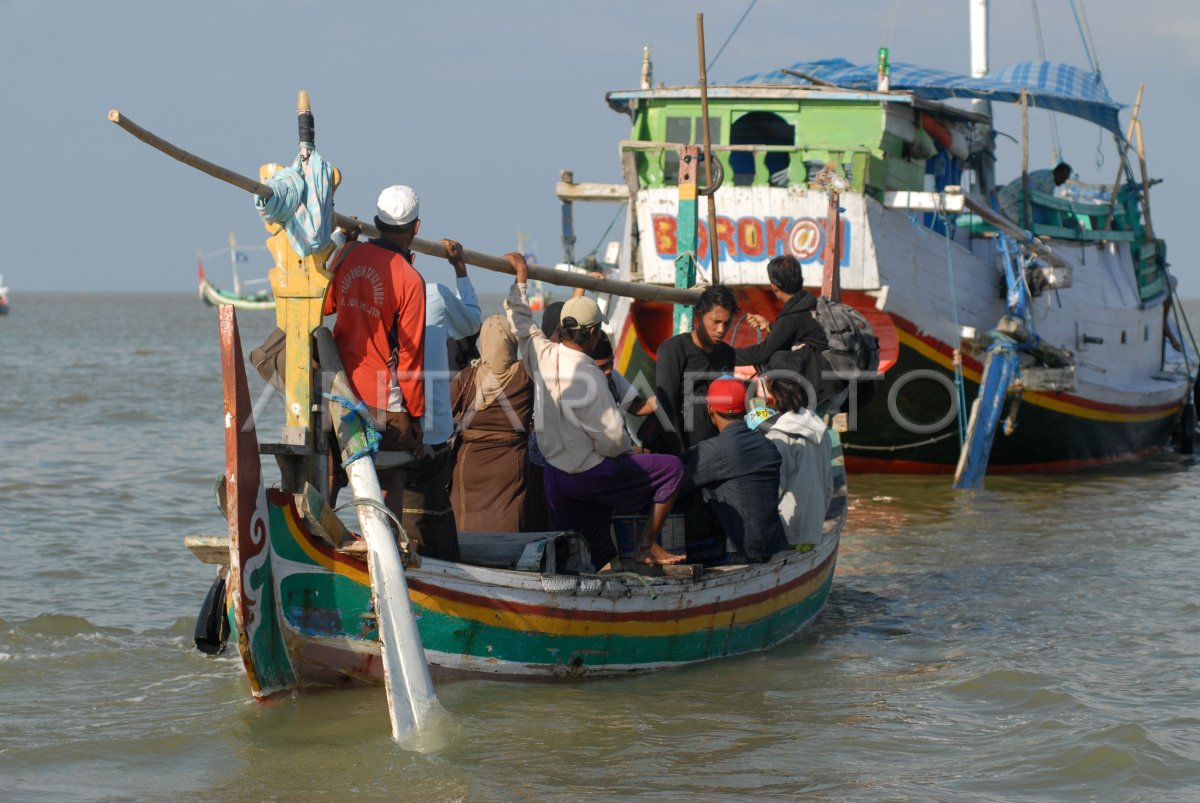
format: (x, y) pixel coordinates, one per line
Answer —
(745, 14)
(960, 390)
(364, 501)
(371, 436)
(859, 447)
(890, 29)
(1085, 34)
(611, 223)
(1037, 27)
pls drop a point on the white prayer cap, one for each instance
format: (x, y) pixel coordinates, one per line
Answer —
(398, 205)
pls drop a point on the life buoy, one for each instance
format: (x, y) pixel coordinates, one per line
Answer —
(937, 129)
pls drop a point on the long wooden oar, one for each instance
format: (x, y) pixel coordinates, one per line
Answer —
(646, 292)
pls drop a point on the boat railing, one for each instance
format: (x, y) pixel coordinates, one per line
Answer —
(1082, 221)
(657, 163)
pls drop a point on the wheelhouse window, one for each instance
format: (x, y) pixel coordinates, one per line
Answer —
(761, 128)
(686, 131)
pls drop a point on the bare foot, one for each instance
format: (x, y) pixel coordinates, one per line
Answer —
(657, 556)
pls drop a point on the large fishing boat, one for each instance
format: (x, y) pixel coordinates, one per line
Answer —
(1071, 285)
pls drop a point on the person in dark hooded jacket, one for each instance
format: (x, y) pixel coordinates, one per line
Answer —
(795, 324)
(795, 328)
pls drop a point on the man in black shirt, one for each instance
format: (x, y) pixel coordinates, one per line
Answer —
(686, 364)
(795, 328)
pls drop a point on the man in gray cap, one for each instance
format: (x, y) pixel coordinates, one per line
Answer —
(591, 468)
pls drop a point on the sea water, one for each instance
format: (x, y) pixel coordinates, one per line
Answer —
(1038, 639)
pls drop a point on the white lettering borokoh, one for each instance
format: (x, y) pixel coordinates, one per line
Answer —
(372, 307)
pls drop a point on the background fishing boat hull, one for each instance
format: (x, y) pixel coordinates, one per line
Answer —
(213, 296)
(918, 289)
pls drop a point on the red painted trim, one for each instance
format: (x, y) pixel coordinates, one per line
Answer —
(882, 465)
(611, 616)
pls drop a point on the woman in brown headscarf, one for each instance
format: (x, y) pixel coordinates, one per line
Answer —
(492, 402)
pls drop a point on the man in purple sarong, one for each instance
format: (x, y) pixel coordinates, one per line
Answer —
(591, 465)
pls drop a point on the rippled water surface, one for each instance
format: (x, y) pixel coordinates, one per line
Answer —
(1035, 640)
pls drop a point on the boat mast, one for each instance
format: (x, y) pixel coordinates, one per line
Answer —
(979, 50)
(237, 282)
(979, 68)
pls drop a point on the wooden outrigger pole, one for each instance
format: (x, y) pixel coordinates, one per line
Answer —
(644, 292)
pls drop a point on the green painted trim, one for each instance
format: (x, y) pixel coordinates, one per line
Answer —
(324, 604)
(455, 636)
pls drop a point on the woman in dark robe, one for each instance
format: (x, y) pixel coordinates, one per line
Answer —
(492, 403)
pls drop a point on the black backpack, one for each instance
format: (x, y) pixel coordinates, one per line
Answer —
(853, 346)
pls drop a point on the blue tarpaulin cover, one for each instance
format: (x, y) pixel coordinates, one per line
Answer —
(1058, 87)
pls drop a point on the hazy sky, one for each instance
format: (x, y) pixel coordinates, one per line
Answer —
(478, 105)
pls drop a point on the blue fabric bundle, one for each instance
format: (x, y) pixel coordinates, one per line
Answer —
(302, 200)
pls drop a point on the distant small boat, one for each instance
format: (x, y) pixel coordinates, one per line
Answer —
(3, 296)
(213, 296)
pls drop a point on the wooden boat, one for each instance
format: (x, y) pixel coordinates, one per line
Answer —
(519, 604)
(305, 603)
(922, 253)
(213, 296)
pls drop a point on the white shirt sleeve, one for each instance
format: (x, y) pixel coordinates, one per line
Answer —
(520, 317)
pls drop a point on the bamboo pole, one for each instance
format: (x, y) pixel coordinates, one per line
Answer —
(1026, 206)
(1123, 149)
(1141, 151)
(712, 202)
(203, 165)
(645, 292)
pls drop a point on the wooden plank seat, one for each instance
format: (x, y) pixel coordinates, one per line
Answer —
(562, 552)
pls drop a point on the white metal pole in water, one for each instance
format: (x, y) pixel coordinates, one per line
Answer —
(410, 695)
(409, 687)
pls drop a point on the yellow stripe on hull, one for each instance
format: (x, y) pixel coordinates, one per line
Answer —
(1043, 400)
(559, 626)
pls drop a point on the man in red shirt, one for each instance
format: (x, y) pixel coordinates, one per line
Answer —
(379, 299)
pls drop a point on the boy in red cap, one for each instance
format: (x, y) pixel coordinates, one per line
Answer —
(737, 474)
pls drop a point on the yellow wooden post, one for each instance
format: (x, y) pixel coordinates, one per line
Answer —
(299, 285)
